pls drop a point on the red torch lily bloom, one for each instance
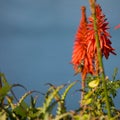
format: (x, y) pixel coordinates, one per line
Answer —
(80, 59)
(84, 56)
(104, 36)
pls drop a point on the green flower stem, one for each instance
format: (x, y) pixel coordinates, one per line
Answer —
(83, 92)
(99, 54)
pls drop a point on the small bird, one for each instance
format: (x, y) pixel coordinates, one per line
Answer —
(80, 68)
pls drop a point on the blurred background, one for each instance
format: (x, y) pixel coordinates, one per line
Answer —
(36, 41)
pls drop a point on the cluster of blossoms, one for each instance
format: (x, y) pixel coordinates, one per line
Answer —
(84, 56)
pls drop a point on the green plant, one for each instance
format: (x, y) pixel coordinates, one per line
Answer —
(98, 91)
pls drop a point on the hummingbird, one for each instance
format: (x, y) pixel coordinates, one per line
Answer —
(79, 68)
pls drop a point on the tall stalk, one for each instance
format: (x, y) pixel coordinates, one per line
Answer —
(82, 92)
(99, 54)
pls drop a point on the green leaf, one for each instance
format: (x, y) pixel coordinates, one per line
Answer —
(62, 116)
(51, 106)
(24, 96)
(115, 73)
(4, 90)
(87, 101)
(94, 83)
(67, 90)
(33, 102)
(3, 115)
(76, 117)
(6, 87)
(61, 107)
(48, 100)
(21, 110)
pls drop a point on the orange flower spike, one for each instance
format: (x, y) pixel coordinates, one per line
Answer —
(83, 23)
(104, 35)
(79, 49)
(80, 60)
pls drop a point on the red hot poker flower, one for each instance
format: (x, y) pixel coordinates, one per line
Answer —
(80, 60)
(104, 35)
(84, 57)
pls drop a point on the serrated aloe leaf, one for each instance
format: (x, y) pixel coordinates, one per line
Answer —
(49, 98)
(24, 96)
(67, 90)
(21, 110)
(4, 90)
(61, 107)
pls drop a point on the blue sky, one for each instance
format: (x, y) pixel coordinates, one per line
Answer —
(36, 39)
